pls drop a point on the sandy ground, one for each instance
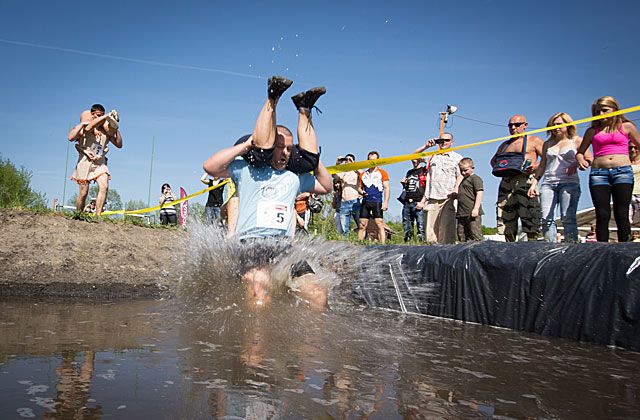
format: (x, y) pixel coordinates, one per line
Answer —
(44, 255)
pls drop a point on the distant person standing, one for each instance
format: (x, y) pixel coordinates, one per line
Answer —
(374, 184)
(611, 177)
(560, 185)
(634, 210)
(522, 152)
(215, 200)
(441, 191)
(95, 131)
(413, 185)
(168, 213)
(350, 196)
(469, 212)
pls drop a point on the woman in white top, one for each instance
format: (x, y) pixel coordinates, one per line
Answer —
(561, 184)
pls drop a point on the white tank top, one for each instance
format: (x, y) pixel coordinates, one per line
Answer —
(557, 164)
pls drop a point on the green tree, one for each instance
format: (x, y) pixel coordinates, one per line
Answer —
(196, 210)
(114, 202)
(135, 205)
(15, 189)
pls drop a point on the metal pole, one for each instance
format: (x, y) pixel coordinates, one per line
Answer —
(153, 144)
(66, 168)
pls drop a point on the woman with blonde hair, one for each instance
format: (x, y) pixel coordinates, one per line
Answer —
(611, 175)
(561, 185)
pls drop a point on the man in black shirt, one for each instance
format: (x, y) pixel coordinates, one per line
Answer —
(214, 202)
(413, 185)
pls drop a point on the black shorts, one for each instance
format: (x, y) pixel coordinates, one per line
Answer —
(371, 209)
(300, 162)
(263, 252)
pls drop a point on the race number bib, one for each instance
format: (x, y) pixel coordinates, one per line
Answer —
(96, 149)
(273, 215)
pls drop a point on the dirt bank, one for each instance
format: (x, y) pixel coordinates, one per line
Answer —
(43, 255)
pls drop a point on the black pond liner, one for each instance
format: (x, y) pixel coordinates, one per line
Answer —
(585, 292)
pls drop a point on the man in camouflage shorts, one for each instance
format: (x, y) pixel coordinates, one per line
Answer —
(513, 201)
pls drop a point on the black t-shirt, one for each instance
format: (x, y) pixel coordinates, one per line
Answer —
(215, 195)
(415, 181)
(467, 192)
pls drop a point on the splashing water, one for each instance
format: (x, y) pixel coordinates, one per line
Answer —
(213, 269)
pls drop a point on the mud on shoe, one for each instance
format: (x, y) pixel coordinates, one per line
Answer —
(307, 100)
(276, 86)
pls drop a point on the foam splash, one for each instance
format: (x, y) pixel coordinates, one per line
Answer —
(214, 267)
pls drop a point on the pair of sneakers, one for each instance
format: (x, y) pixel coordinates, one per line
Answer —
(277, 85)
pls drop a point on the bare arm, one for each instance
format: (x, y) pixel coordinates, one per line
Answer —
(429, 143)
(475, 212)
(584, 146)
(387, 194)
(324, 181)
(538, 146)
(116, 139)
(632, 132)
(77, 131)
(218, 163)
(96, 122)
(543, 163)
(203, 179)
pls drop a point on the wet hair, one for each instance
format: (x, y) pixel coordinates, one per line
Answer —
(373, 152)
(571, 130)
(285, 129)
(97, 107)
(164, 185)
(608, 101)
(467, 161)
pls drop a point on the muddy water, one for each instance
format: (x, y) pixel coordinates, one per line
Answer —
(162, 359)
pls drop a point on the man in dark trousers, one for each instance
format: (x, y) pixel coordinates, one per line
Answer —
(413, 185)
(215, 200)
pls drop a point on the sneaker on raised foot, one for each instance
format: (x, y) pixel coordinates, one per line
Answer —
(308, 99)
(276, 86)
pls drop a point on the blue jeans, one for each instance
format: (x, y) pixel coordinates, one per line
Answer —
(409, 214)
(212, 214)
(611, 176)
(566, 195)
(348, 209)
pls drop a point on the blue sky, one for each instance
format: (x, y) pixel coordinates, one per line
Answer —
(193, 74)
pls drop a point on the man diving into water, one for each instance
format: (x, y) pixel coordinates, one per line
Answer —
(273, 172)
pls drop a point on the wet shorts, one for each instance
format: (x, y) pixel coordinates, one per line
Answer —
(263, 252)
(514, 203)
(300, 162)
(371, 209)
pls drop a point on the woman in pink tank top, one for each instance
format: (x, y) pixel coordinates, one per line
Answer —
(611, 175)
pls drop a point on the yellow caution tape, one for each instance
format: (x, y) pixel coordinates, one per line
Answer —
(173, 203)
(387, 161)
(403, 158)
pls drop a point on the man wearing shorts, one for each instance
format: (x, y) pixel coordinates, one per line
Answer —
(267, 192)
(513, 201)
(374, 185)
